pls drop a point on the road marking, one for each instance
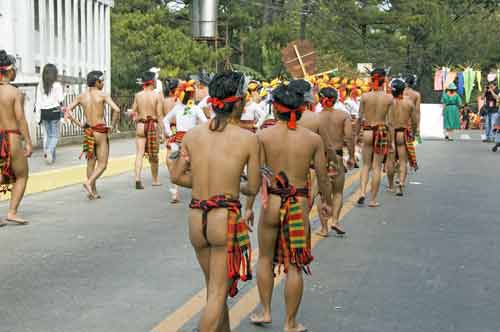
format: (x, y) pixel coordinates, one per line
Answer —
(193, 306)
(68, 176)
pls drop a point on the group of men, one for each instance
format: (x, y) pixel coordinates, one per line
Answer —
(212, 148)
(278, 159)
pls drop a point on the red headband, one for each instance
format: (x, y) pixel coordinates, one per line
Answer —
(327, 102)
(292, 123)
(220, 103)
(376, 79)
(146, 83)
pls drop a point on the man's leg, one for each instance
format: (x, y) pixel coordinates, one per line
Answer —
(267, 236)
(376, 177)
(20, 169)
(391, 170)
(294, 287)
(403, 162)
(102, 151)
(215, 317)
(140, 143)
(367, 162)
(91, 163)
(338, 197)
(174, 189)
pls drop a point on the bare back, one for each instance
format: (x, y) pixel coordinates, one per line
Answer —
(335, 127)
(402, 112)
(310, 120)
(93, 102)
(10, 98)
(168, 105)
(148, 104)
(290, 151)
(375, 107)
(218, 159)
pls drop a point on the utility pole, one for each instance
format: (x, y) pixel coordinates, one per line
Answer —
(303, 18)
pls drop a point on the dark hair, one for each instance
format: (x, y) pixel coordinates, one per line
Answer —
(148, 76)
(378, 74)
(224, 84)
(6, 60)
(93, 77)
(170, 85)
(49, 76)
(329, 92)
(289, 97)
(188, 95)
(397, 87)
(303, 87)
(410, 80)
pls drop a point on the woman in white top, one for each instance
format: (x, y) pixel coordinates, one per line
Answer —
(50, 96)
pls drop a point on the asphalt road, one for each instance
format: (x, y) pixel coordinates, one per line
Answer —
(425, 262)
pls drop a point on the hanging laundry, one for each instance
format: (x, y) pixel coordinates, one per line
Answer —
(460, 84)
(478, 79)
(450, 78)
(438, 80)
(445, 70)
(469, 78)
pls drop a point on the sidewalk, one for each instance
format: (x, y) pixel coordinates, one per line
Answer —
(69, 155)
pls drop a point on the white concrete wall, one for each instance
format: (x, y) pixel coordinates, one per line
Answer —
(36, 48)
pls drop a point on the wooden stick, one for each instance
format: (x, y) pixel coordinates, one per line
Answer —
(300, 60)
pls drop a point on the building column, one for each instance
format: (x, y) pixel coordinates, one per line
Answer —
(59, 39)
(74, 43)
(42, 57)
(51, 52)
(24, 24)
(102, 34)
(90, 38)
(83, 50)
(68, 44)
(97, 37)
(107, 36)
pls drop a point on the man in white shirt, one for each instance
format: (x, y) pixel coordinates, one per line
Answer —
(252, 109)
(187, 115)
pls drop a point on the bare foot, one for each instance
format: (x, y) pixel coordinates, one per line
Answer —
(88, 189)
(389, 189)
(374, 204)
(261, 319)
(156, 184)
(337, 229)
(297, 328)
(13, 218)
(322, 233)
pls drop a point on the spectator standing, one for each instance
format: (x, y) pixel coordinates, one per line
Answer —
(50, 96)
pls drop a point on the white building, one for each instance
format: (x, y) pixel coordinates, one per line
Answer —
(72, 34)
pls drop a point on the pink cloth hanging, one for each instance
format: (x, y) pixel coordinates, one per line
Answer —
(438, 80)
(450, 78)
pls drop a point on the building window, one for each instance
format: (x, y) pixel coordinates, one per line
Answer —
(36, 16)
(37, 69)
(56, 22)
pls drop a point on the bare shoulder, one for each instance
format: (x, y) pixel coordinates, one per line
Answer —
(309, 135)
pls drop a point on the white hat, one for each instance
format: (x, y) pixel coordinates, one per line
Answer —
(155, 70)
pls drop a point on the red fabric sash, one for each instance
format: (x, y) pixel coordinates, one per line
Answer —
(8, 176)
(292, 123)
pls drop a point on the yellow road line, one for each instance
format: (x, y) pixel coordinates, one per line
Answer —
(250, 300)
(193, 306)
(59, 178)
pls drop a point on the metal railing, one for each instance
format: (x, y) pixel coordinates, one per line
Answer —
(69, 129)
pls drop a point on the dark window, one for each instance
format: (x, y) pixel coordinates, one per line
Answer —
(63, 12)
(56, 23)
(79, 22)
(37, 69)
(36, 7)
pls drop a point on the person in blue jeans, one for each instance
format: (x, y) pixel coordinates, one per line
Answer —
(50, 96)
(490, 110)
